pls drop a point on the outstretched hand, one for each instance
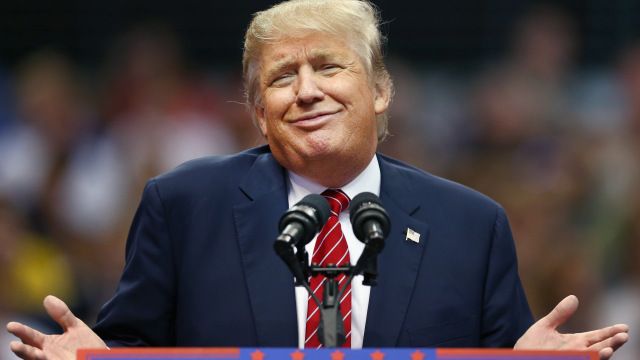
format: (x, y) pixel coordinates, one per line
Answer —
(38, 346)
(544, 334)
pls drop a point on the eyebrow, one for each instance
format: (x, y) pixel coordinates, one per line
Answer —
(287, 61)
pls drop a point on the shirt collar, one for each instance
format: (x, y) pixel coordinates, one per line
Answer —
(367, 180)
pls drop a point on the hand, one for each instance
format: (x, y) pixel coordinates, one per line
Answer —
(38, 346)
(543, 334)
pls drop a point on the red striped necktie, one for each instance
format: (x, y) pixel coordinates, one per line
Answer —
(330, 248)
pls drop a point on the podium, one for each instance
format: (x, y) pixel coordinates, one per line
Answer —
(329, 354)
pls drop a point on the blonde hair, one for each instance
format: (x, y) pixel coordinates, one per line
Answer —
(357, 21)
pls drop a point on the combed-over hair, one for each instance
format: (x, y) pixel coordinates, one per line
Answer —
(356, 21)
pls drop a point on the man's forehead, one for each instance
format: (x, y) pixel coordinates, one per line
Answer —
(312, 46)
(293, 54)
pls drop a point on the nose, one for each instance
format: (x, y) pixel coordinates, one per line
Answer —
(308, 89)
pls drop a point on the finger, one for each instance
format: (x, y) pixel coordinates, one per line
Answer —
(613, 343)
(599, 335)
(561, 313)
(59, 312)
(26, 352)
(606, 353)
(619, 340)
(27, 334)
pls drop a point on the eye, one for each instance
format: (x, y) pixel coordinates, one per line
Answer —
(330, 69)
(282, 80)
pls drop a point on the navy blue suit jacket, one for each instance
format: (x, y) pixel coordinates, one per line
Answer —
(201, 270)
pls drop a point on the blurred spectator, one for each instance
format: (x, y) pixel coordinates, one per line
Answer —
(618, 171)
(49, 121)
(63, 173)
(620, 302)
(522, 152)
(162, 114)
(31, 267)
(406, 140)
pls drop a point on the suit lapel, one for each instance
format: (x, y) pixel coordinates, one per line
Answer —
(399, 261)
(268, 280)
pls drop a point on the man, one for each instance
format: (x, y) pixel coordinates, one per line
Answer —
(200, 267)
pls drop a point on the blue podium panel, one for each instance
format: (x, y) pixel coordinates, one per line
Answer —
(328, 354)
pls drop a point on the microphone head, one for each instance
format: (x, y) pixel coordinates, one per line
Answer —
(311, 213)
(321, 206)
(365, 207)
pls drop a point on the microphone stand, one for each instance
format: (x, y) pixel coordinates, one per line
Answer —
(331, 327)
(370, 223)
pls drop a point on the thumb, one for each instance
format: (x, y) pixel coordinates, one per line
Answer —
(561, 313)
(59, 312)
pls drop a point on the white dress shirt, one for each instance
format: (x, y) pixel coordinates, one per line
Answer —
(299, 187)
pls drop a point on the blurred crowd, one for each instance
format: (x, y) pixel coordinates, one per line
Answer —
(556, 144)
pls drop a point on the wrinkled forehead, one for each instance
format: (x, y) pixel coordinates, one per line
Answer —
(314, 47)
(308, 48)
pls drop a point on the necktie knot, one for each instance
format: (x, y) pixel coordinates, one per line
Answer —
(338, 200)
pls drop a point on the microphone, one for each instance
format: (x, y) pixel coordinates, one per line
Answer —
(298, 226)
(370, 224)
(369, 219)
(303, 220)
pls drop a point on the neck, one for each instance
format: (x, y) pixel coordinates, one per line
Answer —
(332, 173)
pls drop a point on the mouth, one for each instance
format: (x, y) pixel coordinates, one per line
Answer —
(315, 120)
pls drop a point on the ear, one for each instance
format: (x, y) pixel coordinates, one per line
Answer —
(382, 97)
(258, 113)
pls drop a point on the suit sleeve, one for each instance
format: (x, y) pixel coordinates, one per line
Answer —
(141, 313)
(506, 314)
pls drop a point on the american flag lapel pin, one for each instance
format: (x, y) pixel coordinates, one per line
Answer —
(412, 235)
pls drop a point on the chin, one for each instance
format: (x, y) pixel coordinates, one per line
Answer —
(318, 146)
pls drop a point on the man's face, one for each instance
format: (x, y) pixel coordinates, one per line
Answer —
(318, 104)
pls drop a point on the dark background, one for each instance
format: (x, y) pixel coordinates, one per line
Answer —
(460, 32)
